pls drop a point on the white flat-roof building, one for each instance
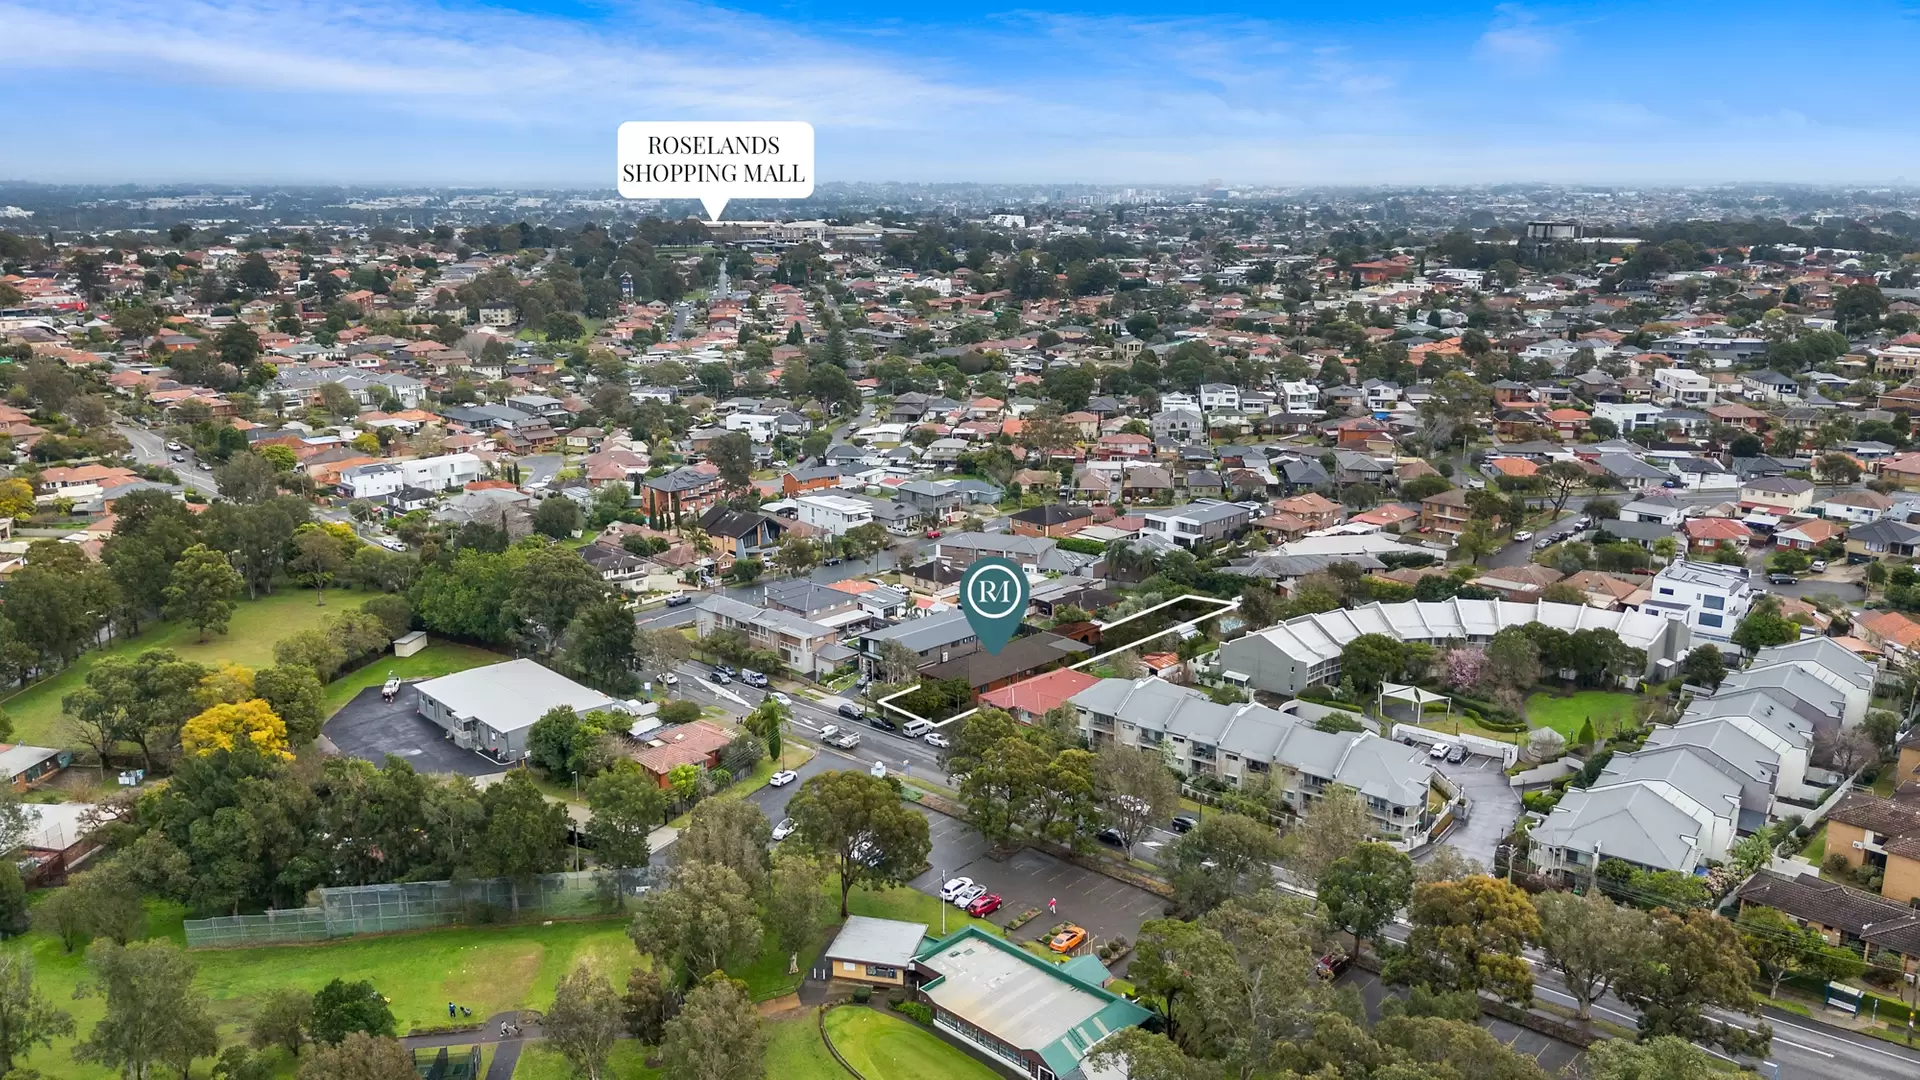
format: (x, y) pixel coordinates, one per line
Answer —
(489, 709)
(834, 513)
(1708, 598)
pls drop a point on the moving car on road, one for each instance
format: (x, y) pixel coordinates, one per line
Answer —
(1183, 824)
(679, 600)
(851, 711)
(753, 678)
(1781, 579)
(935, 739)
(1068, 940)
(845, 740)
(1523, 536)
(784, 829)
(781, 698)
(782, 778)
(670, 679)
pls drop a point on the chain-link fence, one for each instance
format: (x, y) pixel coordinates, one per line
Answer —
(421, 905)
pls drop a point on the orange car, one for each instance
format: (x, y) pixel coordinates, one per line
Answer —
(1068, 940)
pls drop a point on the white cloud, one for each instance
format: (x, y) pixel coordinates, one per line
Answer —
(1517, 43)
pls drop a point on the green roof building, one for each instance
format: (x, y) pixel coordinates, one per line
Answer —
(1041, 1018)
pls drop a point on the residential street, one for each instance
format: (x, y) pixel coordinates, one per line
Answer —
(150, 448)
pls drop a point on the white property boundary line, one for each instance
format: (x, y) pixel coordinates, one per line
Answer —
(1225, 606)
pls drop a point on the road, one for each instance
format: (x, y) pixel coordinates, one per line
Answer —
(150, 448)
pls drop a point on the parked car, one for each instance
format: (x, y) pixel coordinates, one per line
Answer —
(1818, 565)
(1068, 940)
(851, 711)
(954, 887)
(1111, 836)
(1544, 543)
(1523, 535)
(1583, 523)
(753, 678)
(782, 778)
(1439, 750)
(933, 534)
(175, 446)
(1457, 755)
(984, 906)
(935, 739)
(180, 457)
(723, 669)
(781, 698)
(883, 723)
(968, 895)
(1183, 824)
(679, 600)
(1781, 579)
(784, 829)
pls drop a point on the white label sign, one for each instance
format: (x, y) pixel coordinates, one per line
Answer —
(714, 161)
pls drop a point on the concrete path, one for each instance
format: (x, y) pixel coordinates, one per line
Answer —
(506, 1052)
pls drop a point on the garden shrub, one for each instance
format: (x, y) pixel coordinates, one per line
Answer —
(916, 1012)
(863, 994)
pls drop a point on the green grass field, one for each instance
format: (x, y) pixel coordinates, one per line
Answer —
(1608, 710)
(249, 640)
(886, 1047)
(628, 1062)
(438, 658)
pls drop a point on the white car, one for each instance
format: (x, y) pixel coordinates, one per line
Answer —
(784, 829)
(830, 731)
(1523, 535)
(936, 739)
(393, 544)
(1818, 565)
(968, 895)
(781, 698)
(670, 679)
(954, 887)
(878, 770)
(1439, 750)
(782, 778)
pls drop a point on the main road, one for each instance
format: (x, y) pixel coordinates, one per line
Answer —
(150, 448)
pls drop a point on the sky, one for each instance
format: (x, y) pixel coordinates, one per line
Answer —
(1128, 92)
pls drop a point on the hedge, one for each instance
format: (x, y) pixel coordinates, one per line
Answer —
(1083, 547)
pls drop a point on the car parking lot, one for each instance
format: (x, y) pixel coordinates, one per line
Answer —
(1552, 1054)
(371, 729)
(1028, 878)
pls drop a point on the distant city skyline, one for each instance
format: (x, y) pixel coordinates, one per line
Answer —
(1135, 92)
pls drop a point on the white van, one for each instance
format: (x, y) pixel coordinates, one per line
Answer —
(916, 728)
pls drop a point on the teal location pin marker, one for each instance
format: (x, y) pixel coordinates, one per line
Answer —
(993, 593)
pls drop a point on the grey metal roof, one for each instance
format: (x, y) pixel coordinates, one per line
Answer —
(1824, 652)
(1726, 741)
(924, 634)
(877, 941)
(510, 696)
(1629, 821)
(1791, 679)
(784, 621)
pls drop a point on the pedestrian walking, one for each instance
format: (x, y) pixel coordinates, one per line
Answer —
(1053, 905)
(503, 1029)
(449, 1009)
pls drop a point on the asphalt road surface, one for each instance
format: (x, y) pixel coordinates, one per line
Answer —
(150, 448)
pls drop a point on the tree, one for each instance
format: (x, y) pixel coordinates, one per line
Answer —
(317, 559)
(858, 822)
(733, 833)
(27, 1018)
(549, 589)
(1781, 947)
(705, 920)
(557, 517)
(1335, 826)
(225, 726)
(1447, 864)
(600, 646)
(1764, 626)
(797, 554)
(626, 806)
(1467, 935)
(1591, 942)
(1836, 468)
(716, 1036)
(1660, 1058)
(247, 478)
(1476, 541)
(793, 901)
(342, 1007)
(1362, 891)
(1226, 855)
(1259, 979)
(897, 663)
(1371, 659)
(647, 1006)
(281, 1020)
(1563, 479)
(732, 454)
(1704, 666)
(525, 834)
(584, 1021)
(360, 1057)
(1699, 963)
(141, 699)
(660, 650)
(295, 695)
(153, 1012)
(14, 916)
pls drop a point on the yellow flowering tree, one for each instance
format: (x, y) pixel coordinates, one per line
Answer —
(229, 724)
(230, 684)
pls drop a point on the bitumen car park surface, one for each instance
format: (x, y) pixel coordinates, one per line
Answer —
(1552, 1054)
(1496, 806)
(370, 728)
(1106, 907)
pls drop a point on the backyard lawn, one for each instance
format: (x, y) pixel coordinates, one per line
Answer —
(438, 658)
(881, 1046)
(1566, 714)
(249, 640)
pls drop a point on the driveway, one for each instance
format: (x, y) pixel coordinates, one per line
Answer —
(1496, 806)
(1029, 878)
(371, 729)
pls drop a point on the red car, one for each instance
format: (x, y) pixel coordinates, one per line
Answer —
(933, 534)
(984, 906)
